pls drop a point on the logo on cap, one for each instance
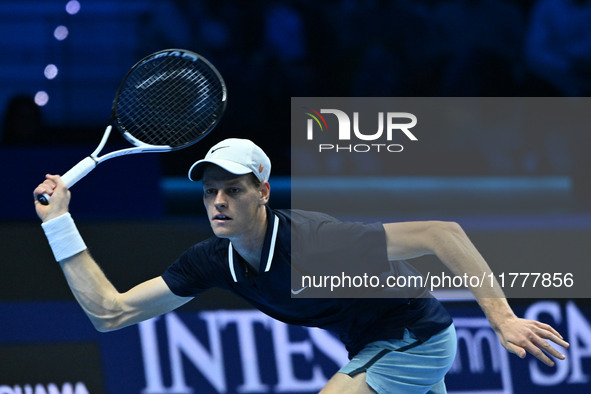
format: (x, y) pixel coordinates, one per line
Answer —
(221, 147)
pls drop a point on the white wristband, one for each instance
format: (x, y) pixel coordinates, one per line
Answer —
(63, 236)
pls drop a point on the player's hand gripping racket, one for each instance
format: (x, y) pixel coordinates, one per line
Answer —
(167, 101)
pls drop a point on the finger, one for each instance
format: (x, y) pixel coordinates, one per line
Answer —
(538, 346)
(539, 354)
(547, 327)
(551, 335)
(43, 188)
(517, 350)
(542, 341)
(58, 182)
(544, 345)
(556, 340)
(55, 180)
(49, 184)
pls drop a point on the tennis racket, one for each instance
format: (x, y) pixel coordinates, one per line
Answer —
(167, 101)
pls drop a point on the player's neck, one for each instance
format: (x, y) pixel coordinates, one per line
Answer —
(250, 246)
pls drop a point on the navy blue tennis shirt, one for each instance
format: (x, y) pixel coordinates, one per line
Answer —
(305, 243)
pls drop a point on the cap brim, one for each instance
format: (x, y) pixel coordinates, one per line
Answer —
(196, 170)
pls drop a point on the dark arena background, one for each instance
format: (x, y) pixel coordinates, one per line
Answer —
(520, 195)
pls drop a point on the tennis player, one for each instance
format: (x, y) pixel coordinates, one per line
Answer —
(396, 345)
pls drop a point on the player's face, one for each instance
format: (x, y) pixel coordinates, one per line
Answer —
(233, 202)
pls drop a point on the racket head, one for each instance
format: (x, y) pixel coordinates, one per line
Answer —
(170, 99)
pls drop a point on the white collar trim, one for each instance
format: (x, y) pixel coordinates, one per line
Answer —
(269, 258)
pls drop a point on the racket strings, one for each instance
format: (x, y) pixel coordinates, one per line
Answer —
(170, 101)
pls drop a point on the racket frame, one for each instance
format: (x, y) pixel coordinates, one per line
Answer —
(86, 165)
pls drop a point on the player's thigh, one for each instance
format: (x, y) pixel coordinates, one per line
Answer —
(342, 383)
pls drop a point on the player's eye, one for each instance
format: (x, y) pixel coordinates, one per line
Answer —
(209, 192)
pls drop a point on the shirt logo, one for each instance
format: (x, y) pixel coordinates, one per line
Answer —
(296, 292)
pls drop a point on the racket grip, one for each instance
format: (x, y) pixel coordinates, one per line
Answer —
(79, 171)
(76, 173)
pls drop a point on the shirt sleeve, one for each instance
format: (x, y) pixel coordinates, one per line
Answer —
(195, 270)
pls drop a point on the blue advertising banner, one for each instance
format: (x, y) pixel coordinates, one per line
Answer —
(51, 348)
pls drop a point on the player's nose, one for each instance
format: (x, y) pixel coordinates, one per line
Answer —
(220, 200)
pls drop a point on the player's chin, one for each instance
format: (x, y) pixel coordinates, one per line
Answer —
(221, 229)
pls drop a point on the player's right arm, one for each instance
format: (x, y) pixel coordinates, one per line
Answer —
(107, 308)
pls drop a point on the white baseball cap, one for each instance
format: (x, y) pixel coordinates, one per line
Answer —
(235, 155)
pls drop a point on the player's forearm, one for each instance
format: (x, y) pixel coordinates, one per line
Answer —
(94, 292)
(453, 247)
(497, 310)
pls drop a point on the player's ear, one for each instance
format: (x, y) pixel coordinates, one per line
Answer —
(265, 190)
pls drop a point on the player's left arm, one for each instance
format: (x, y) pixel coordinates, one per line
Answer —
(449, 242)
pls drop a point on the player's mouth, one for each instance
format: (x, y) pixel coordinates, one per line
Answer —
(219, 218)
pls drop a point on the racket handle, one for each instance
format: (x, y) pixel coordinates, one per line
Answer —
(76, 173)
(79, 171)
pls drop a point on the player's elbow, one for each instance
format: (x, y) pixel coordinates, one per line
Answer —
(100, 327)
(445, 233)
(105, 324)
(109, 318)
(451, 228)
